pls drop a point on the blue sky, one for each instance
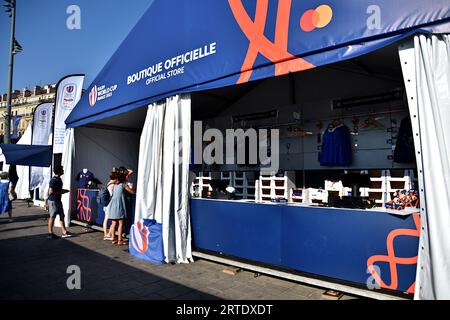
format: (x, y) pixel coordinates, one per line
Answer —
(52, 51)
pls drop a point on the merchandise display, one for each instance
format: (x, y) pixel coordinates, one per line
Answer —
(404, 199)
(336, 146)
(87, 180)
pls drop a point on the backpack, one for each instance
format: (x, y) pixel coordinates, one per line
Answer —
(104, 197)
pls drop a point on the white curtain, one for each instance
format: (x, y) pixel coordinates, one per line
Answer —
(23, 172)
(149, 182)
(163, 186)
(67, 162)
(432, 79)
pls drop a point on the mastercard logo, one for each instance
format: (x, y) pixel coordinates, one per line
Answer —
(316, 18)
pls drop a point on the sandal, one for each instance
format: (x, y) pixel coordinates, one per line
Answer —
(107, 238)
(122, 243)
(114, 242)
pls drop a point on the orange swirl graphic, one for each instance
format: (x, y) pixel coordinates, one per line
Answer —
(84, 212)
(276, 51)
(392, 259)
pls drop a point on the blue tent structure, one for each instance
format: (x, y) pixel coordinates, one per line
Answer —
(189, 46)
(27, 155)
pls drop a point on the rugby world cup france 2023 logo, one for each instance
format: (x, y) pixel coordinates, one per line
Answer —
(93, 96)
(42, 119)
(139, 237)
(276, 51)
(69, 95)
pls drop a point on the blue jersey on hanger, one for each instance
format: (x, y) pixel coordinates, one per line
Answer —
(84, 178)
(336, 147)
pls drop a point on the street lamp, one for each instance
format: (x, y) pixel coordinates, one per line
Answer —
(15, 48)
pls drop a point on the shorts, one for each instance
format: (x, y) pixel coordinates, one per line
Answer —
(55, 209)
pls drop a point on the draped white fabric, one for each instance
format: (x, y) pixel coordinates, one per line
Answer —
(150, 160)
(23, 172)
(432, 76)
(182, 152)
(67, 162)
(162, 187)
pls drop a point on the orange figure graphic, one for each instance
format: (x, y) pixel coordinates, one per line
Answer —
(83, 206)
(392, 259)
(276, 51)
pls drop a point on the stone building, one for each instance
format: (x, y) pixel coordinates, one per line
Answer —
(23, 103)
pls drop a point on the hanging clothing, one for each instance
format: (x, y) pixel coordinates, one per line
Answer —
(336, 147)
(5, 203)
(117, 206)
(404, 149)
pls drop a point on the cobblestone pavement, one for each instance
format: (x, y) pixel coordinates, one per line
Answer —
(33, 267)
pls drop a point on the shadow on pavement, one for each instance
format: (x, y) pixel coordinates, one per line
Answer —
(34, 267)
(4, 218)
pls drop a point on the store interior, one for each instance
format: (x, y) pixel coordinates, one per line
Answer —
(363, 96)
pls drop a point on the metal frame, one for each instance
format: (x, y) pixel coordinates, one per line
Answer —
(407, 58)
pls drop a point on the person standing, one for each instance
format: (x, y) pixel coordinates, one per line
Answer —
(110, 187)
(117, 208)
(54, 204)
(128, 200)
(13, 177)
(6, 190)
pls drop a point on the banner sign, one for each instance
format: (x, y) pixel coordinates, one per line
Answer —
(16, 122)
(219, 43)
(146, 241)
(42, 127)
(42, 124)
(68, 94)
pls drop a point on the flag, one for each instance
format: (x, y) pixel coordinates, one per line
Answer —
(16, 122)
(68, 93)
(42, 126)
